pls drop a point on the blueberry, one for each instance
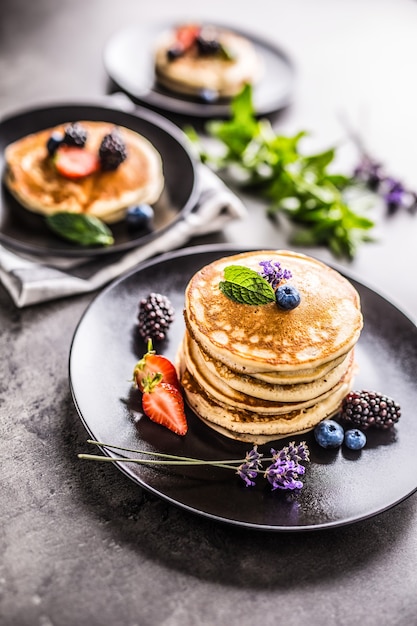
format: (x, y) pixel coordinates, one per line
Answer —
(355, 439)
(54, 141)
(139, 216)
(287, 297)
(175, 52)
(329, 434)
(209, 95)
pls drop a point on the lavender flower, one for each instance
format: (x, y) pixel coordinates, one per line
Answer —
(273, 273)
(284, 474)
(292, 452)
(248, 470)
(286, 468)
(391, 190)
(369, 172)
(394, 194)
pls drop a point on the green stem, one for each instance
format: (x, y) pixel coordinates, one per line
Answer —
(94, 457)
(165, 456)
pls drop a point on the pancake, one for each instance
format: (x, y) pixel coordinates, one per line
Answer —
(325, 326)
(243, 390)
(243, 425)
(192, 71)
(33, 179)
(256, 372)
(299, 376)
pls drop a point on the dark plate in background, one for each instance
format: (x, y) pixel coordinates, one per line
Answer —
(27, 231)
(128, 59)
(340, 487)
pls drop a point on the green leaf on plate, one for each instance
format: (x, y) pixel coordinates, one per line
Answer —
(86, 230)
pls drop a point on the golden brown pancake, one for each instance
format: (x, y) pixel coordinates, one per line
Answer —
(252, 338)
(193, 72)
(244, 425)
(33, 179)
(257, 372)
(242, 391)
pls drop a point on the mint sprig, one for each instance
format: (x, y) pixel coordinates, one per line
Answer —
(294, 184)
(85, 230)
(246, 286)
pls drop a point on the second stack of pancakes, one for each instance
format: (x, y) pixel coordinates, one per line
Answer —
(257, 373)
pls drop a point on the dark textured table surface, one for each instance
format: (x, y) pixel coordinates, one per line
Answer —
(82, 544)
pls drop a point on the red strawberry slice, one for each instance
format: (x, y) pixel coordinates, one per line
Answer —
(163, 404)
(152, 363)
(75, 163)
(186, 35)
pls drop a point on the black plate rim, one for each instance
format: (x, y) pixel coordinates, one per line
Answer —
(181, 106)
(107, 104)
(125, 468)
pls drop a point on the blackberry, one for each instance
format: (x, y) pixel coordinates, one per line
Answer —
(207, 42)
(112, 151)
(156, 314)
(75, 135)
(370, 408)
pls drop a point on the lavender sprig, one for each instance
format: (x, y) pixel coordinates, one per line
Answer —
(248, 471)
(273, 273)
(394, 194)
(283, 473)
(286, 468)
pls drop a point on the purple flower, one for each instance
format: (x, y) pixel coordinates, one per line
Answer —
(293, 452)
(248, 471)
(394, 195)
(284, 474)
(247, 474)
(391, 190)
(370, 172)
(286, 469)
(273, 273)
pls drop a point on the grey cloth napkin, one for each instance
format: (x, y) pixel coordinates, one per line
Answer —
(31, 281)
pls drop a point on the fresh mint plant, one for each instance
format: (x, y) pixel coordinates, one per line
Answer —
(298, 185)
(85, 230)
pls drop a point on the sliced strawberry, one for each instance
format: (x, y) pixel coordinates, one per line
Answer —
(73, 162)
(152, 363)
(186, 35)
(163, 404)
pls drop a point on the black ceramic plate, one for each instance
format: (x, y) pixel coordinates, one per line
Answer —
(128, 59)
(27, 232)
(340, 486)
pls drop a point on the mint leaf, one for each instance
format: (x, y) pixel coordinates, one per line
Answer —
(246, 286)
(86, 230)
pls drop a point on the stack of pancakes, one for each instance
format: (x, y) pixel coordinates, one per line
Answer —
(257, 373)
(191, 73)
(32, 178)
